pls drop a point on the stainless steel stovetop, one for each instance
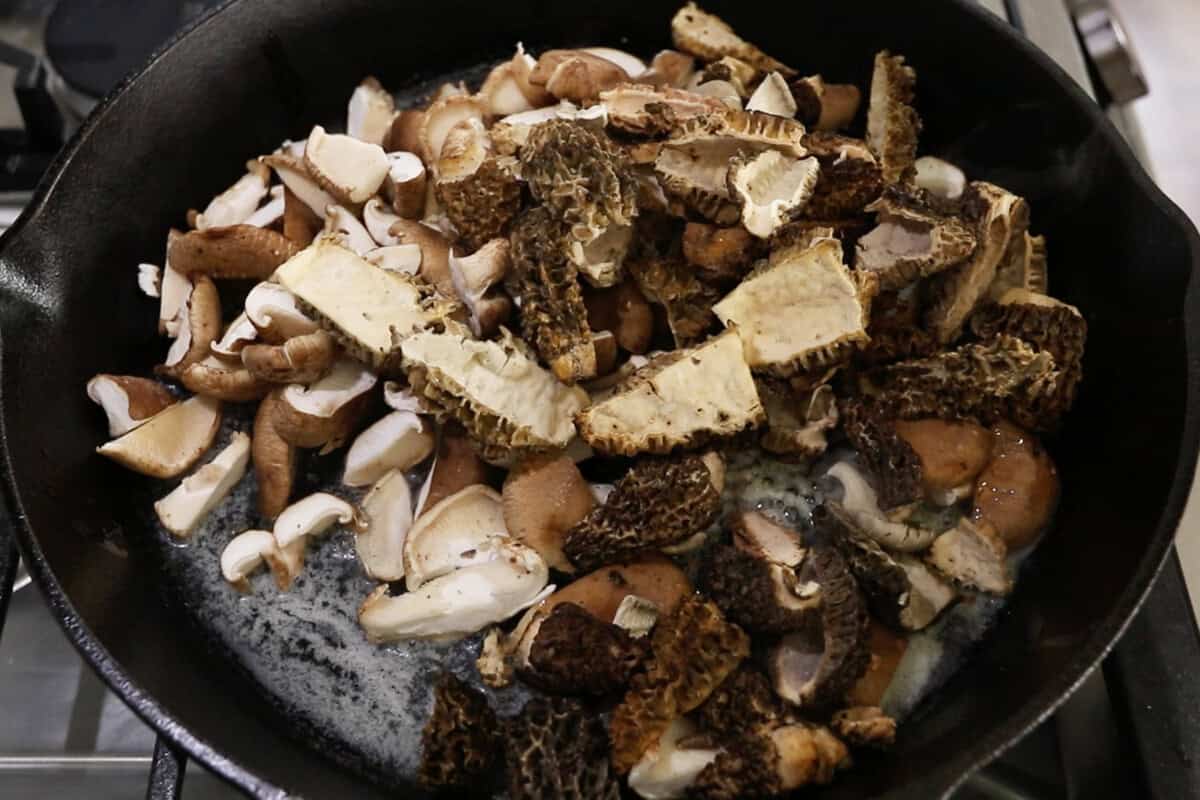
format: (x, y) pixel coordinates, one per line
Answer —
(64, 735)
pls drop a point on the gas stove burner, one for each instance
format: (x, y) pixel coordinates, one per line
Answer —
(93, 44)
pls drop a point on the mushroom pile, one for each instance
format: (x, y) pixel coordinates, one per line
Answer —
(535, 319)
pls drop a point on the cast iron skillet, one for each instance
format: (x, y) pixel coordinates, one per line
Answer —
(253, 73)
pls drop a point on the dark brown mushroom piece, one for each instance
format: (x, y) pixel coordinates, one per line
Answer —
(460, 745)
(573, 652)
(892, 463)
(1017, 492)
(916, 236)
(556, 749)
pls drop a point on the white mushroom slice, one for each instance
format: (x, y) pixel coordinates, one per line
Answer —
(389, 512)
(666, 770)
(861, 505)
(235, 205)
(973, 555)
(244, 554)
(273, 311)
(270, 212)
(465, 528)
(636, 615)
(324, 413)
(370, 111)
(940, 177)
(402, 258)
(367, 308)
(772, 188)
(461, 603)
(401, 440)
(240, 333)
(149, 280)
(378, 218)
(202, 491)
(401, 398)
(474, 275)
(342, 225)
(127, 401)
(300, 182)
(441, 117)
(502, 92)
(404, 186)
(170, 442)
(181, 345)
(349, 169)
(174, 292)
(312, 516)
(631, 64)
(773, 97)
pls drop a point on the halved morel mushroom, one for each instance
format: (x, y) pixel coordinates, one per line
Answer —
(507, 403)
(850, 177)
(350, 169)
(760, 595)
(170, 442)
(400, 440)
(798, 422)
(658, 503)
(694, 162)
(461, 602)
(572, 652)
(708, 37)
(576, 75)
(301, 359)
(837, 303)
(236, 251)
(191, 501)
(274, 459)
(389, 516)
(128, 401)
(647, 110)
(325, 413)
(363, 306)
(772, 189)
(913, 240)
(477, 189)
(996, 214)
(892, 462)
(370, 111)
(658, 409)
(461, 743)
(892, 123)
(235, 205)
(813, 669)
(694, 650)
(861, 504)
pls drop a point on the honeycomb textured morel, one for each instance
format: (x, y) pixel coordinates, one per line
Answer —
(743, 703)
(556, 750)
(755, 594)
(891, 461)
(892, 123)
(481, 205)
(546, 284)
(850, 178)
(576, 653)
(659, 502)
(747, 766)
(460, 744)
(694, 650)
(687, 300)
(1001, 377)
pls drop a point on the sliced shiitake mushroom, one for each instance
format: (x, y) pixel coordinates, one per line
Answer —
(301, 359)
(202, 491)
(128, 401)
(236, 251)
(274, 460)
(398, 441)
(325, 413)
(214, 378)
(170, 442)
(544, 497)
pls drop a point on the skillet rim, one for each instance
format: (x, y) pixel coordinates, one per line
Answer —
(951, 773)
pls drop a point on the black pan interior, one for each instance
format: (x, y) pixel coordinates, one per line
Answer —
(258, 72)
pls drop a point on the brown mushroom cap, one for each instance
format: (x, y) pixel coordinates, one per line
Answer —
(235, 251)
(405, 134)
(274, 460)
(203, 318)
(887, 649)
(435, 253)
(951, 453)
(301, 359)
(326, 413)
(300, 223)
(128, 401)
(1017, 491)
(576, 75)
(543, 498)
(654, 578)
(625, 312)
(216, 379)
